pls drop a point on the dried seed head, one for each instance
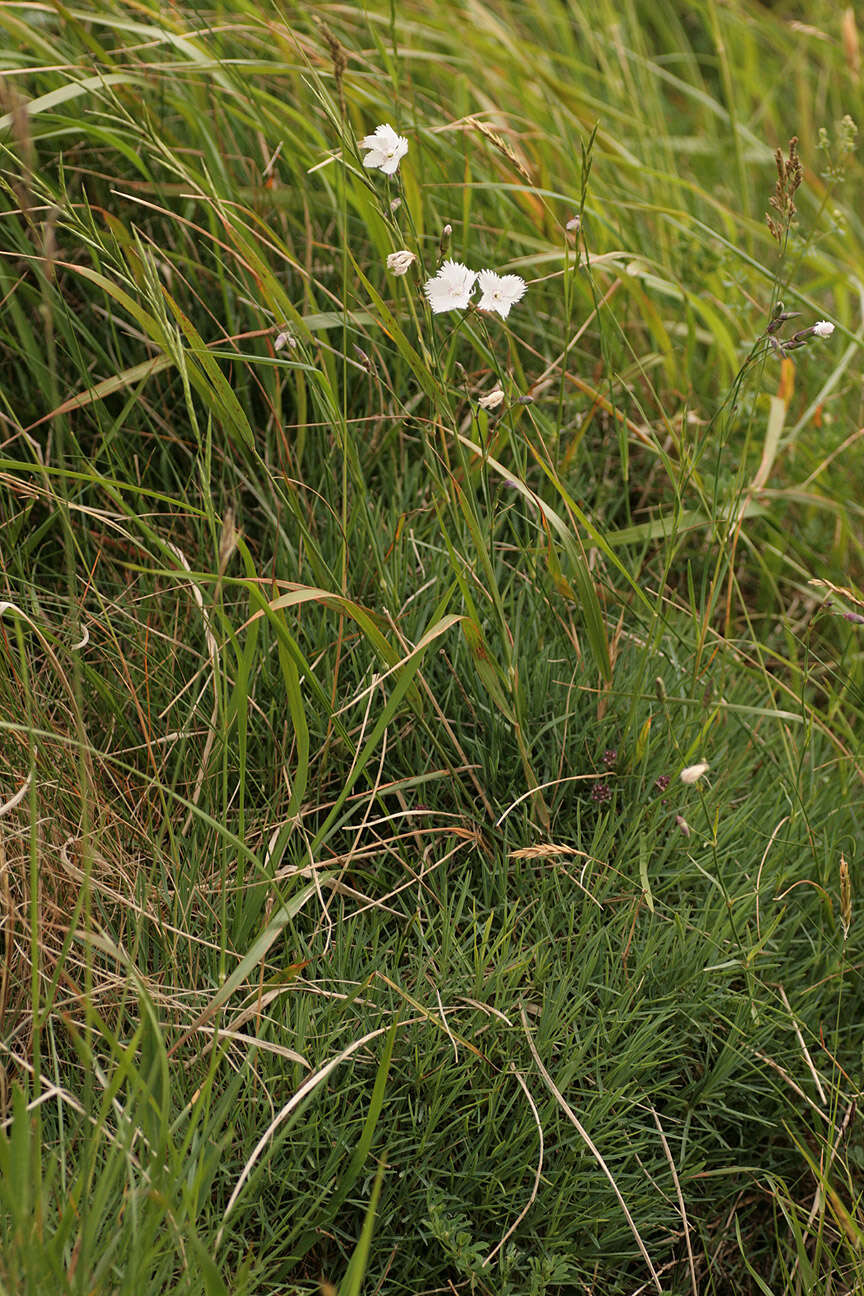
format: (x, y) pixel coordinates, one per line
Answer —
(845, 897)
(339, 58)
(227, 541)
(789, 177)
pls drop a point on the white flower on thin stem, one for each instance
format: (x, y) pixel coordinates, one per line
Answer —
(386, 149)
(693, 773)
(399, 263)
(500, 292)
(823, 329)
(451, 288)
(492, 399)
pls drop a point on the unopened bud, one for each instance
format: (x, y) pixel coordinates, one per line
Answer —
(445, 240)
(780, 318)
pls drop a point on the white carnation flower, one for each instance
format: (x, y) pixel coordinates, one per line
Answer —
(451, 288)
(386, 149)
(399, 263)
(500, 292)
(823, 329)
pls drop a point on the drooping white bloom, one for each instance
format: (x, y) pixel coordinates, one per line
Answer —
(823, 329)
(386, 149)
(492, 399)
(451, 288)
(399, 263)
(693, 773)
(500, 292)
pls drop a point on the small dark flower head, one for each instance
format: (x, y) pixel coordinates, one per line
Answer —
(601, 792)
(610, 756)
(662, 783)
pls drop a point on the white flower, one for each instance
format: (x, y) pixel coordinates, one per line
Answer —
(500, 292)
(693, 773)
(451, 288)
(492, 399)
(823, 329)
(386, 149)
(285, 338)
(399, 263)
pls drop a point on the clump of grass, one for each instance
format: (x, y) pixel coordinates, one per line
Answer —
(359, 929)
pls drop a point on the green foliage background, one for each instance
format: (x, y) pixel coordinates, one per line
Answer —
(357, 930)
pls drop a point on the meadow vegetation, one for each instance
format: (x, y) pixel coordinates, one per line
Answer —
(357, 930)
